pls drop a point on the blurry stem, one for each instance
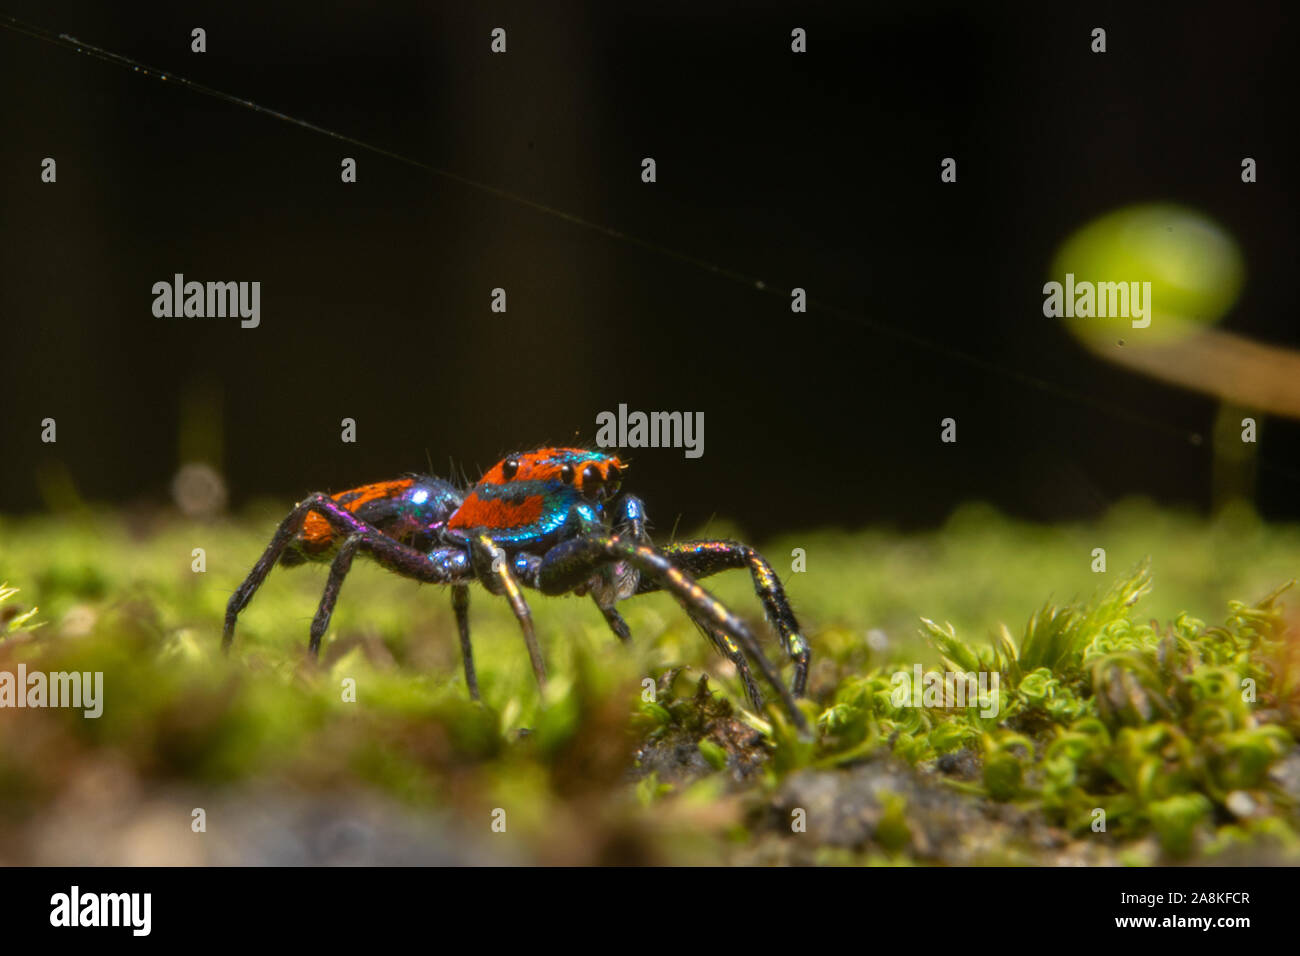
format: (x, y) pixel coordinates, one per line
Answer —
(57, 489)
(1237, 369)
(1235, 458)
(201, 437)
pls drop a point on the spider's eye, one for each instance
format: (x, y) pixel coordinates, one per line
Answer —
(591, 476)
(566, 474)
(509, 467)
(613, 473)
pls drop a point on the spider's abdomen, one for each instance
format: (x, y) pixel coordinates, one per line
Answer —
(410, 509)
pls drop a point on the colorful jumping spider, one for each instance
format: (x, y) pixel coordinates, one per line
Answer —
(535, 520)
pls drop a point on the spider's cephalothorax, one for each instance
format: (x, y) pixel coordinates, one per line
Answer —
(543, 520)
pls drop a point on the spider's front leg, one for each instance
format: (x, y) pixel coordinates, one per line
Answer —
(703, 558)
(616, 580)
(572, 563)
(339, 518)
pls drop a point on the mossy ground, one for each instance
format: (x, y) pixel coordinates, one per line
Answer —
(1173, 710)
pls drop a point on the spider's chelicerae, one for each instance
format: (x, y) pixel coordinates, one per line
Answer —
(536, 520)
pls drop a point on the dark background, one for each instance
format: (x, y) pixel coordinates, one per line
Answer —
(817, 170)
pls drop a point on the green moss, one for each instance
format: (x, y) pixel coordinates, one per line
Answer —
(1155, 727)
(1120, 719)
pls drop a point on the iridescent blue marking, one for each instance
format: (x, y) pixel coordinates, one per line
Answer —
(561, 503)
(453, 561)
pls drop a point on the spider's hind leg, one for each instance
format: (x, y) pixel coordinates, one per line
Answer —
(438, 567)
(443, 566)
(339, 569)
(339, 518)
